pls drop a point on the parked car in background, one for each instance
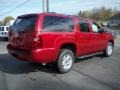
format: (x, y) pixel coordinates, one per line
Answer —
(4, 32)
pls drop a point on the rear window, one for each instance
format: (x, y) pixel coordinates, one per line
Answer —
(25, 23)
(58, 24)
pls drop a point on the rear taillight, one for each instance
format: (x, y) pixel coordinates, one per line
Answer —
(38, 41)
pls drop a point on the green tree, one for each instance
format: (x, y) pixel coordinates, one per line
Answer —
(98, 14)
(85, 14)
(1, 23)
(7, 19)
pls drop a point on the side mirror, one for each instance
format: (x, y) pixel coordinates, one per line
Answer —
(102, 30)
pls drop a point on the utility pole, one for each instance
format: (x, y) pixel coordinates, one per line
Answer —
(45, 5)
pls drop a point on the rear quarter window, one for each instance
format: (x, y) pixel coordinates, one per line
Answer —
(58, 24)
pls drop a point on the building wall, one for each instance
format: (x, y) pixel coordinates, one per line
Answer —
(114, 22)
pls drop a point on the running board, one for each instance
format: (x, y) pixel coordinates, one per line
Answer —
(89, 55)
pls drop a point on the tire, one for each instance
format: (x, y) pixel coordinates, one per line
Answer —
(109, 49)
(65, 60)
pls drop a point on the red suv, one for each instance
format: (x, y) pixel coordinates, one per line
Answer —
(50, 37)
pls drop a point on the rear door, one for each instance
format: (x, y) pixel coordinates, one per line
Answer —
(83, 37)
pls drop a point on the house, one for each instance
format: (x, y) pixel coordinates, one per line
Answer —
(115, 20)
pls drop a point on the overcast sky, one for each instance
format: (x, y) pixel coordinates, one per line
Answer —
(59, 6)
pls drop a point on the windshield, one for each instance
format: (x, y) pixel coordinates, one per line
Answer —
(25, 23)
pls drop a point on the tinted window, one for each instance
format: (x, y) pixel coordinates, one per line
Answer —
(58, 24)
(26, 23)
(1, 28)
(95, 27)
(7, 28)
(84, 27)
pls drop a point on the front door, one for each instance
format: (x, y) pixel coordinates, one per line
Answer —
(98, 39)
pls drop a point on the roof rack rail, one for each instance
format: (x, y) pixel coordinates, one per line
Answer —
(60, 14)
(73, 15)
(50, 12)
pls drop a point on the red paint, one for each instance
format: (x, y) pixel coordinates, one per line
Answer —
(43, 47)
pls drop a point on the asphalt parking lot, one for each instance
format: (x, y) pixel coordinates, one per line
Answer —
(93, 73)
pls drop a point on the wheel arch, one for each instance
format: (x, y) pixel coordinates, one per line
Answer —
(112, 41)
(70, 46)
